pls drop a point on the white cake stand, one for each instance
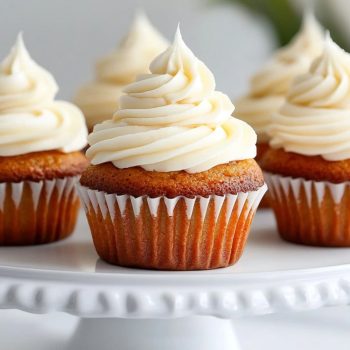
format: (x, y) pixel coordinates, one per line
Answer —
(133, 309)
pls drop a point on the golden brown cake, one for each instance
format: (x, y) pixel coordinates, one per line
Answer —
(234, 177)
(39, 154)
(173, 184)
(44, 165)
(313, 168)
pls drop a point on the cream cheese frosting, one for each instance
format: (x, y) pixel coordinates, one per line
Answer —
(99, 99)
(173, 119)
(315, 120)
(30, 119)
(270, 85)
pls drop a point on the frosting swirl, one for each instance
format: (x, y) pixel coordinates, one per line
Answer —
(315, 118)
(22, 82)
(99, 99)
(172, 120)
(30, 120)
(270, 85)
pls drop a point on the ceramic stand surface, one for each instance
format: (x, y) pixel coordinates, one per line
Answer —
(205, 333)
(139, 309)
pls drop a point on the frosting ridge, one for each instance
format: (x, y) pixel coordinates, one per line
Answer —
(30, 119)
(173, 119)
(315, 118)
(270, 85)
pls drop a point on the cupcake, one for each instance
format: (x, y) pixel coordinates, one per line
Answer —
(172, 182)
(308, 164)
(99, 99)
(269, 86)
(40, 160)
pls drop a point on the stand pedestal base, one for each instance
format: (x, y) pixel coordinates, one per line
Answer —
(193, 333)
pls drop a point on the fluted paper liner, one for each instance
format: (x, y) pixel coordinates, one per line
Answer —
(37, 212)
(311, 212)
(261, 150)
(265, 201)
(170, 233)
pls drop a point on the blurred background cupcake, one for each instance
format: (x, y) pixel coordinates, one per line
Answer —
(269, 86)
(99, 99)
(40, 158)
(173, 183)
(308, 162)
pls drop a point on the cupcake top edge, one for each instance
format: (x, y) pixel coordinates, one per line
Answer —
(270, 84)
(314, 121)
(30, 119)
(173, 119)
(98, 99)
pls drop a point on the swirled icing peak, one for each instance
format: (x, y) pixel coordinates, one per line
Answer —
(134, 54)
(173, 119)
(315, 118)
(99, 99)
(30, 119)
(22, 81)
(270, 85)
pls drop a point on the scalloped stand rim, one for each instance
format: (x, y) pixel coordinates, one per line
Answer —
(92, 288)
(199, 332)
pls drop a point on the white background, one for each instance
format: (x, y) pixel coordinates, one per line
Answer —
(66, 36)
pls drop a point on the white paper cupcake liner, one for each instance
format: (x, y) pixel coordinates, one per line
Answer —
(311, 212)
(213, 223)
(44, 188)
(37, 212)
(105, 203)
(314, 190)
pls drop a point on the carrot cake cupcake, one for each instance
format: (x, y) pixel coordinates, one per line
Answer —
(99, 99)
(308, 164)
(40, 139)
(172, 183)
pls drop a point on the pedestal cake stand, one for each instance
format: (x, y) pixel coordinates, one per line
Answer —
(133, 309)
